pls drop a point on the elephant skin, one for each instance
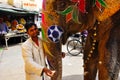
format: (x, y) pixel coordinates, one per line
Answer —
(102, 58)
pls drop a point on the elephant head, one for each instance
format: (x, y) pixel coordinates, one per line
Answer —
(87, 19)
(52, 9)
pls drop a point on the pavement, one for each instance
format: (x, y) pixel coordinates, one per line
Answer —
(12, 64)
(72, 66)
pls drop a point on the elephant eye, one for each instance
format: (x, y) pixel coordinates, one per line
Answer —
(61, 5)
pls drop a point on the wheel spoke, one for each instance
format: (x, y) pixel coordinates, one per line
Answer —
(74, 47)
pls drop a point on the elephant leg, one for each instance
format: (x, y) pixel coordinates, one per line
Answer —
(56, 64)
(109, 65)
(115, 74)
(109, 71)
(90, 69)
(103, 73)
(109, 50)
(55, 61)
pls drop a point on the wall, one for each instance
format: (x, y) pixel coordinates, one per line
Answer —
(32, 5)
(3, 1)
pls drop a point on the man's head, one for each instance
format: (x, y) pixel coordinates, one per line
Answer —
(1, 20)
(32, 29)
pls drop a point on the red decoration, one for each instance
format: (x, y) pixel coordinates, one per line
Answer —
(72, 11)
(81, 5)
(43, 4)
(98, 5)
(68, 17)
(44, 23)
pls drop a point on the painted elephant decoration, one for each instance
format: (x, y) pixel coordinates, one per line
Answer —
(101, 19)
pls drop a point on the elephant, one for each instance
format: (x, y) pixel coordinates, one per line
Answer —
(102, 49)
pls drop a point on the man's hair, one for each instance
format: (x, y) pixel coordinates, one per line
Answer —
(29, 25)
(1, 18)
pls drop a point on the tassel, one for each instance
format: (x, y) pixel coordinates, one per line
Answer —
(46, 49)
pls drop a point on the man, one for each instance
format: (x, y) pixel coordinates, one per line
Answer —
(3, 30)
(3, 27)
(32, 51)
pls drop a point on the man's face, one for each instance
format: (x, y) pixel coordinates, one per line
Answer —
(33, 31)
(1, 20)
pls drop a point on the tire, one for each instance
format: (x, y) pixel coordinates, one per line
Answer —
(74, 47)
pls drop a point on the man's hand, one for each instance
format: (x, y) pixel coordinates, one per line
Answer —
(48, 72)
(63, 54)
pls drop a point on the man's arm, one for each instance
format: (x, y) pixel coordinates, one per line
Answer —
(30, 65)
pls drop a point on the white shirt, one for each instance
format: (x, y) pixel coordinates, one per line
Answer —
(34, 59)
